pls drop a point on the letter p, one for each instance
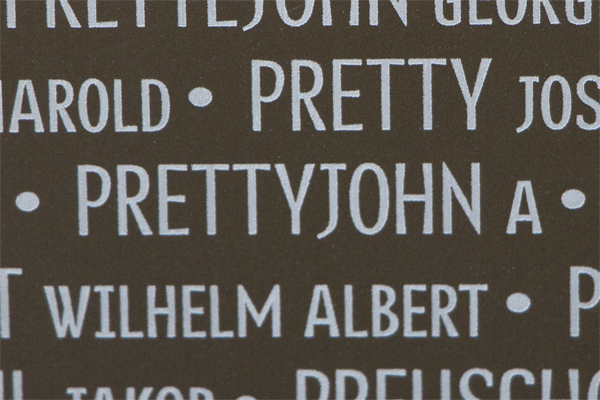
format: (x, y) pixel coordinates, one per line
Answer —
(257, 97)
(576, 302)
(82, 190)
(302, 375)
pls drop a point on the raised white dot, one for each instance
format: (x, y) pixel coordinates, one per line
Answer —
(518, 302)
(246, 398)
(573, 199)
(27, 201)
(200, 97)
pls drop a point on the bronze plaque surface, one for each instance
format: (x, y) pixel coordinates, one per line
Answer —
(299, 199)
